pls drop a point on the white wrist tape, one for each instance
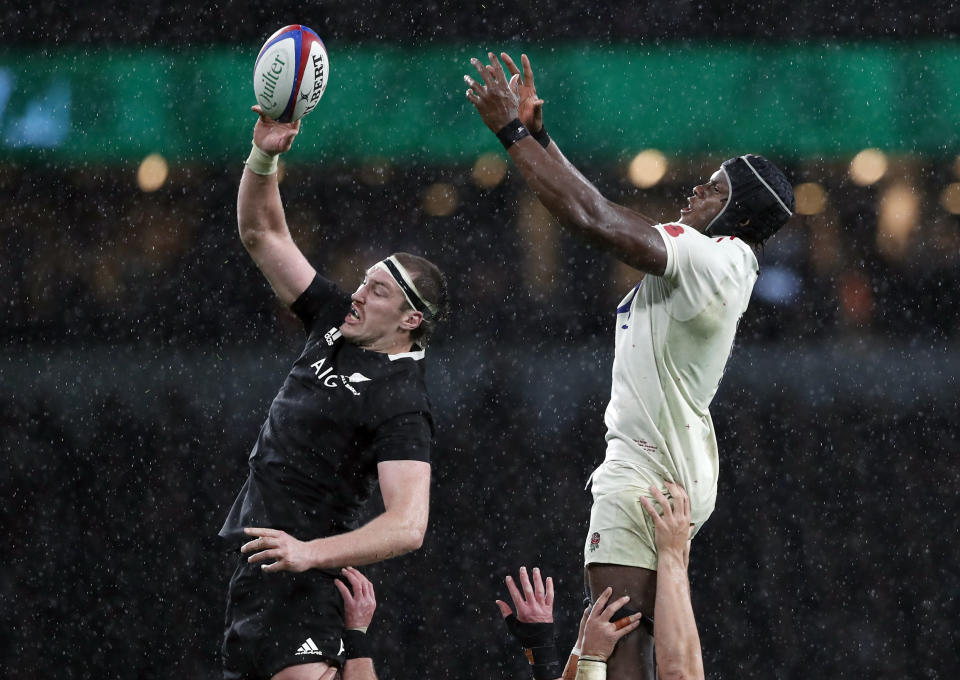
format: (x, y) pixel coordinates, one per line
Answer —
(260, 162)
(588, 669)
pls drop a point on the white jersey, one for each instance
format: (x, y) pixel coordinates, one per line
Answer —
(674, 335)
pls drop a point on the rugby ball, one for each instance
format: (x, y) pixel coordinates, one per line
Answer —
(291, 73)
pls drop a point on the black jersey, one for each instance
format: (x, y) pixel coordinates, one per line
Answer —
(341, 410)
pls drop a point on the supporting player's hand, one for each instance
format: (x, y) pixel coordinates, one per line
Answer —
(273, 137)
(535, 604)
(583, 627)
(600, 634)
(672, 525)
(494, 96)
(530, 105)
(359, 600)
(272, 544)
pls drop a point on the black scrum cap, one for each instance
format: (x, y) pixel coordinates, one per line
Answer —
(759, 193)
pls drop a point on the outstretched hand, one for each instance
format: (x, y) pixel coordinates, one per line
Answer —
(359, 600)
(494, 95)
(672, 525)
(600, 634)
(273, 137)
(530, 105)
(535, 604)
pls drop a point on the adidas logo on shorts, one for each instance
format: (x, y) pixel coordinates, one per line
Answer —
(309, 647)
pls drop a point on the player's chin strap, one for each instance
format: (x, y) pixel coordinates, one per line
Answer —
(399, 273)
(538, 645)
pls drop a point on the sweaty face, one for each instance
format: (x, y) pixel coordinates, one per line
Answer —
(376, 313)
(706, 202)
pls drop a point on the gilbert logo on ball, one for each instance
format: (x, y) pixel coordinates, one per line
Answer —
(291, 73)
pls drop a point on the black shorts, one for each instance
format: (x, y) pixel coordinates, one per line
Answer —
(279, 620)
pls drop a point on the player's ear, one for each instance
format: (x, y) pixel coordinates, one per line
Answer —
(411, 320)
(744, 222)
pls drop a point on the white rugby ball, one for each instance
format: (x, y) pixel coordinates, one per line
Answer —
(291, 73)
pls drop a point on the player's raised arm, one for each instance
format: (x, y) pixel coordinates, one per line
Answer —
(675, 637)
(260, 218)
(562, 189)
(531, 111)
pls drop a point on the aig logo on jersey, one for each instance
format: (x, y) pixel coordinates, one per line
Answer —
(330, 379)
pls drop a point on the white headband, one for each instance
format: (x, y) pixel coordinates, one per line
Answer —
(400, 274)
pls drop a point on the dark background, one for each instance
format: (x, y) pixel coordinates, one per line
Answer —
(141, 349)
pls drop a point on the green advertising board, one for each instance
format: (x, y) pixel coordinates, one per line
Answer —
(106, 105)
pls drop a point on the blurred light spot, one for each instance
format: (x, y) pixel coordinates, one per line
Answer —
(898, 217)
(440, 199)
(376, 172)
(811, 198)
(856, 298)
(152, 173)
(950, 198)
(777, 285)
(647, 168)
(868, 166)
(489, 170)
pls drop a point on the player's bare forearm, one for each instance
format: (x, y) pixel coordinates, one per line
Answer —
(405, 487)
(676, 640)
(675, 637)
(264, 233)
(359, 669)
(580, 207)
(259, 208)
(387, 535)
(558, 156)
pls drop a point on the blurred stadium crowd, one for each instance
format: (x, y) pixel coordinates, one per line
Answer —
(99, 260)
(141, 349)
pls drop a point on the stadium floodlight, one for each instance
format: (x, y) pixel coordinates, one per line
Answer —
(647, 168)
(868, 167)
(152, 173)
(811, 198)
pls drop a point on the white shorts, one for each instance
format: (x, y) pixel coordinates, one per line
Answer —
(621, 532)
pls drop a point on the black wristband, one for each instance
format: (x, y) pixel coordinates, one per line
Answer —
(355, 644)
(542, 137)
(544, 662)
(539, 645)
(530, 635)
(512, 132)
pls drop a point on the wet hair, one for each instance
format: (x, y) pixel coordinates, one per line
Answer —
(761, 200)
(432, 286)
